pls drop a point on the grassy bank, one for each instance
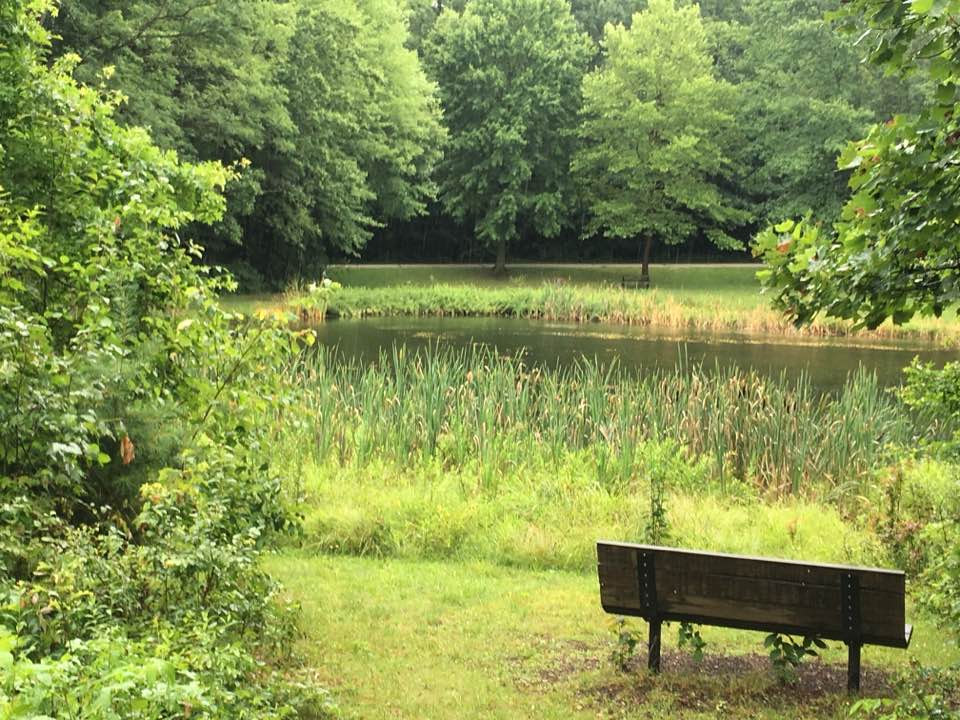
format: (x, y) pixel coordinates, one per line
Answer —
(704, 298)
(551, 518)
(438, 641)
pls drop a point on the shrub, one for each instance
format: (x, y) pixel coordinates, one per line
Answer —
(135, 493)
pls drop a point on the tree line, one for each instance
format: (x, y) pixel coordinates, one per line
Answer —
(485, 128)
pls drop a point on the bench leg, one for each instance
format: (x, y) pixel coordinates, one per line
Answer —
(653, 647)
(853, 667)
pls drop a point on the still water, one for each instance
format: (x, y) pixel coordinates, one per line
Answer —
(827, 362)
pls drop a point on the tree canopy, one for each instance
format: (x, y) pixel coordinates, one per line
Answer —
(657, 133)
(509, 73)
(134, 489)
(893, 252)
(337, 115)
(367, 134)
(336, 124)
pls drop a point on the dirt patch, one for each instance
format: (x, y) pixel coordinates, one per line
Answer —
(552, 661)
(715, 683)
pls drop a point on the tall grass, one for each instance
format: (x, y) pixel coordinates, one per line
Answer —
(473, 409)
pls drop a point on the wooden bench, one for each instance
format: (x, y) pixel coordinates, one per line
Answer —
(859, 606)
(635, 284)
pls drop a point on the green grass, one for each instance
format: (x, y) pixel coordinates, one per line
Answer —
(451, 503)
(450, 640)
(732, 280)
(551, 519)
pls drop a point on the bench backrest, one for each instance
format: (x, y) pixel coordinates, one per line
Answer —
(830, 601)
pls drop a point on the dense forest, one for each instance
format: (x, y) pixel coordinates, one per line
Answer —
(534, 129)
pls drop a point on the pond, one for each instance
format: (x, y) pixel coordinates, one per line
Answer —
(826, 361)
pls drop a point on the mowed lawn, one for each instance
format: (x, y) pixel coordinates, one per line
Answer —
(445, 640)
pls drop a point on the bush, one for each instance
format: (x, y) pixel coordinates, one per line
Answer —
(921, 694)
(134, 490)
(934, 502)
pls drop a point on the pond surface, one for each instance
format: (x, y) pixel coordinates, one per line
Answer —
(827, 362)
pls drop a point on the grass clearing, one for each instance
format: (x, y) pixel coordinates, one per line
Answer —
(445, 640)
(451, 501)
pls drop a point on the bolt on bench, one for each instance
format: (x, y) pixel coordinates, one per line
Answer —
(859, 606)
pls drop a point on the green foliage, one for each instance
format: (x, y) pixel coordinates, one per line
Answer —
(788, 63)
(941, 592)
(92, 269)
(656, 132)
(367, 136)
(913, 515)
(312, 302)
(934, 390)
(593, 15)
(657, 531)
(625, 643)
(925, 512)
(922, 693)
(201, 76)
(786, 654)
(890, 255)
(689, 636)
(133, 488)
(509, 73)
(169, 675)
(474, 407)
(334, 123)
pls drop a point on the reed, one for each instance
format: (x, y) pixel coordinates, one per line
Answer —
(471, 409)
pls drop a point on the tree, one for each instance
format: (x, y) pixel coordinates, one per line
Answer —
(789, 63)
(894, 252)
(593, 15)
(339, 124)
(368, 134)
(201, 75)
(656, 132)
(110, 330)
(509, 73)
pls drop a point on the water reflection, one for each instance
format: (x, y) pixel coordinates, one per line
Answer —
(827, 362)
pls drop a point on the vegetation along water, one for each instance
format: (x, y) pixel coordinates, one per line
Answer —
(254, 465)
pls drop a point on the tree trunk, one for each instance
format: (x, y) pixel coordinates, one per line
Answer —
(645, 267)
(501, 265)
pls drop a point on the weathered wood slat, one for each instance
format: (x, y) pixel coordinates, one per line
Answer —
(857, 605)
(902, 642)
(768, 592)
(757, 567)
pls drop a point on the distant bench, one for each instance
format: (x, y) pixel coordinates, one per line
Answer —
(642, 283)
(859, 606)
